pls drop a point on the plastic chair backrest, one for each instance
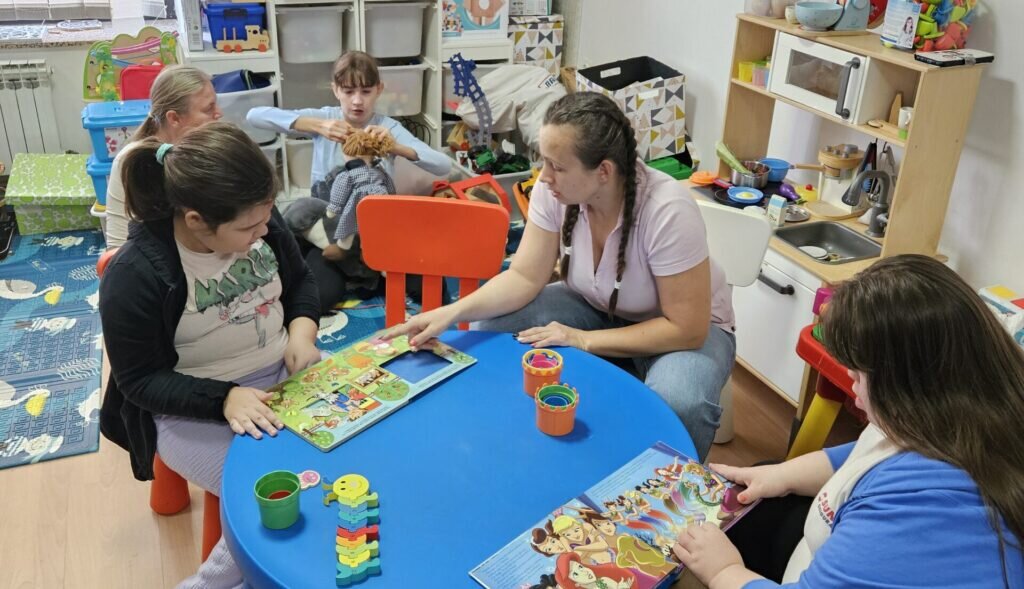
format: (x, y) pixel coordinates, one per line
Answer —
(137, 80)
(432, 237)
(737, 241)
(101, 264)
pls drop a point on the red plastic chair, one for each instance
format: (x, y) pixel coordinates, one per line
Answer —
(832, 387)
(432, 237)
(168, 494)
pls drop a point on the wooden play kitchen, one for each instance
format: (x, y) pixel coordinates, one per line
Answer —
(942, 101)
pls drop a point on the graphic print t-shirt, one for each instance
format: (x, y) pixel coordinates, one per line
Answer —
(233, 324)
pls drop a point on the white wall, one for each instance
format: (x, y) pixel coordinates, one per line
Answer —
(983, 235)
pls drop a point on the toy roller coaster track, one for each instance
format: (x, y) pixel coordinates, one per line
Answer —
(466, 86)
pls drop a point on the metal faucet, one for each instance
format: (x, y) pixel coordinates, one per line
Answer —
(879, 214)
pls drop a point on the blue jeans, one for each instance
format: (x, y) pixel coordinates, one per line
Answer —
(690, 381)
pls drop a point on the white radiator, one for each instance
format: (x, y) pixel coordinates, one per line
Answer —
(28, 123)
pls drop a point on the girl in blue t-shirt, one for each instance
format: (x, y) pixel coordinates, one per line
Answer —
(931, 493)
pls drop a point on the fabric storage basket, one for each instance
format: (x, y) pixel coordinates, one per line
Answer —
(237, 104)
(537, 40)
(111, 125)
(394, 29)
(228, 21)
(309, 34)
(51, 193)
(653, 97)
(450, 102)
(403, 90)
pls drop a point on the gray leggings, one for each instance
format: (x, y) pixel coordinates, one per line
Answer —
(690, 381)
(195, 449)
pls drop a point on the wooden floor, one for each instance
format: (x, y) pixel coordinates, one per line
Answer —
(84, 522)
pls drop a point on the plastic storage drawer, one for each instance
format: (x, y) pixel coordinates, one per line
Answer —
(237, 104)
(111, 124)
(403, 90)
(309, 34)
(394, 29)
(99, 171)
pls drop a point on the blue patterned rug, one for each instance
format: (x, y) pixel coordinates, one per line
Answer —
(352, 321)
(50, 347)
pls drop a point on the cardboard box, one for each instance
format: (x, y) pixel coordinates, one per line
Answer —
(51, 193)
(652, 95)
(537, 40)
(470, 19)
(530, 7)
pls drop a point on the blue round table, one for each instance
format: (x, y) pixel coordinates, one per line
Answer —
(460, 471)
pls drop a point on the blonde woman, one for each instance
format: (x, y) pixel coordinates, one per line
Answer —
(182, 98)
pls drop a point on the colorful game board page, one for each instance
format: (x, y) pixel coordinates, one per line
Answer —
(337, 398)
(619, 534)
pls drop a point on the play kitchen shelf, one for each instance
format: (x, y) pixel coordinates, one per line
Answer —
(771, 312)
(943, 99)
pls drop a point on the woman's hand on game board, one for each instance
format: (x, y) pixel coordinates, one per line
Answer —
(335, 129)
(247, 413)
(553, 334)
(300, 354)
(761, 482)
(424, 327)
(708, 552)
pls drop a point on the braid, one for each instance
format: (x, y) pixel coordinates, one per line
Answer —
(571, 215)
(627, 228)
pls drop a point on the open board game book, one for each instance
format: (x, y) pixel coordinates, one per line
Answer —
(344, 394)
(619, 533)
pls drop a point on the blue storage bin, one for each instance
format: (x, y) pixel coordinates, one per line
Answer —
(232, 20)
(99, 171)
(111, 124)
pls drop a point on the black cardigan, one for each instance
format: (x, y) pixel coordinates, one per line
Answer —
(142, 297)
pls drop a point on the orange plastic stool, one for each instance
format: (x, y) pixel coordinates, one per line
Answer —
(432, 237)
(168, 495)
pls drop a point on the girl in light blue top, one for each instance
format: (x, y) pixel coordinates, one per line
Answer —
(357, 85)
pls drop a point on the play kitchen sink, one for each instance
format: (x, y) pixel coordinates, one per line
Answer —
(829, 242)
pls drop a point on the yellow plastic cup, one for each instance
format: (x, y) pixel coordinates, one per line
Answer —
(746, 72)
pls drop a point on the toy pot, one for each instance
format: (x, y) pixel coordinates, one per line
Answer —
(540, 367)
(277, 494)
(556, 409)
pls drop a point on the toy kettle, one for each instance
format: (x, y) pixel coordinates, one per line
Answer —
(855, 15)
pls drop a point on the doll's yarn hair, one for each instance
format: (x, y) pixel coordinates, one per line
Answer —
(360, 143)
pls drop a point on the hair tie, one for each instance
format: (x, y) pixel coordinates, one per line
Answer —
(568, 250)
(162, 151)
(618, 283)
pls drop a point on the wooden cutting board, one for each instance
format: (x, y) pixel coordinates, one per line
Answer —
(827, 211)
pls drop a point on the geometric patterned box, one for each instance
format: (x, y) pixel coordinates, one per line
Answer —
(51, 193)
(652, 95)
(537, 40)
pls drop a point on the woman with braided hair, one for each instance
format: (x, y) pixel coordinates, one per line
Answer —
(637, 281)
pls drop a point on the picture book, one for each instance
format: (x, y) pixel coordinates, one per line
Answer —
(619, 534)
(344, 394)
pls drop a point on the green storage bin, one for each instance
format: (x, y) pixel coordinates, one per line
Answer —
(672, 166)
(51, 193)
